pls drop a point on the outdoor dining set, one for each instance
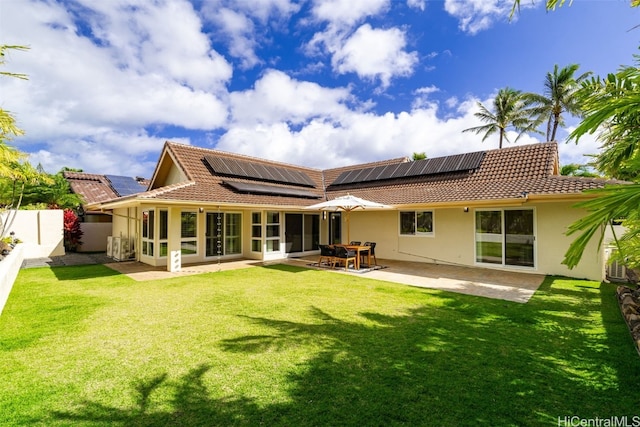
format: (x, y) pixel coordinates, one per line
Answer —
(344, 254)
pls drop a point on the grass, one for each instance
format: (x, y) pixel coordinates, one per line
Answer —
(287, 346)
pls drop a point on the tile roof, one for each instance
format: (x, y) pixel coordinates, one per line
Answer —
(208, 187)
(506, 173)
(94, 188)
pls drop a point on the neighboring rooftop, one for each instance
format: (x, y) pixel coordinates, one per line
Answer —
(95, 188)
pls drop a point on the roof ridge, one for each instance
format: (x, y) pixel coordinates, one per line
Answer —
(242, 156)
(166, 189)
(524, 146)
(392, 161)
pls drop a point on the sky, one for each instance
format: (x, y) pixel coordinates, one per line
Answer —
(319, 83)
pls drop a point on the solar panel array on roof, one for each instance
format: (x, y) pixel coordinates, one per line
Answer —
(249, 187)
(437, 165)
(247, 169)
(125, 185)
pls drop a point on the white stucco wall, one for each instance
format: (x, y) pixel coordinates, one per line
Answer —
(453, 240)
(9, 268)
(41, 231)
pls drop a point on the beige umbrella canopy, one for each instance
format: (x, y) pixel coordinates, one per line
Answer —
(347, 204)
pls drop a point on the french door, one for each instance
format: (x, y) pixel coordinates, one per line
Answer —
(223, 234)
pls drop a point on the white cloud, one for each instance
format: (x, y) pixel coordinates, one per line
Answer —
(278, 98)
(477, 15)
(375, 54)
(417, 4)
(263, 10)
(120, 153)
(346, 13)
(421, 99)
(165, 37)
(240, 29)
(372, 54)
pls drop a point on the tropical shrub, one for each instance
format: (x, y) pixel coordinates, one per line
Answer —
(72, 231)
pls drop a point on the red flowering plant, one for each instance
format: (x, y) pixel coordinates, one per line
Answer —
(72, 231)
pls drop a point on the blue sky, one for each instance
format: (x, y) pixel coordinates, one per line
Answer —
(321, 83)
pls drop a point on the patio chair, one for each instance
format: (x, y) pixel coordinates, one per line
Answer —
(327, 252)
(372, 252)
(355, 242)
(342, 254)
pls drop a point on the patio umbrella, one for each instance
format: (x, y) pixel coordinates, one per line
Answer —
(347, 204)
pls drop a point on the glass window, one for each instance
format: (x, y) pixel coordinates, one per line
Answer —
(163, 224)
(148, 227)
(416, 223)
(233, 233)
(273, 232)
(188, 224)
(188, 233)
(256, 218)
(163, 232)
(256, 231)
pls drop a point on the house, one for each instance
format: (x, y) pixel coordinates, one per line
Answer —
(504, 209)
(93, 189)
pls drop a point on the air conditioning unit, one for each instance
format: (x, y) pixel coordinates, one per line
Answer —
(616, 271)
(116, 248)
(110, 246)
(121, 248)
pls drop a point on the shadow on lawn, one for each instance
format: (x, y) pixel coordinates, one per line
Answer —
(456, 360)
(191, 405)
(79, 272)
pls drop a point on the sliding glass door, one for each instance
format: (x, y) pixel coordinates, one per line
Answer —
(302, 232)
(505, 237)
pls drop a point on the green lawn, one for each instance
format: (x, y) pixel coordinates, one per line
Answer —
(286, 346)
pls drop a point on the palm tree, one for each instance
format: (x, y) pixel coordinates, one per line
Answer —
(574, 169)
(559, 96)
(511, 111)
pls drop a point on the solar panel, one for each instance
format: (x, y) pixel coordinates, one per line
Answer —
(435, 166)
(401, 170)
(387, 172)
(125, 185)
(376, 173)
(255, 170)
(251, 188)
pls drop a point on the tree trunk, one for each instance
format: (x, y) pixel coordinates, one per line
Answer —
(556, 117)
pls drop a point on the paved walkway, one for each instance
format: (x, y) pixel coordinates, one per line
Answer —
(506, 285)
(71, 258)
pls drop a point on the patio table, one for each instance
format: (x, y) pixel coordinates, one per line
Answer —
(359, 249)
